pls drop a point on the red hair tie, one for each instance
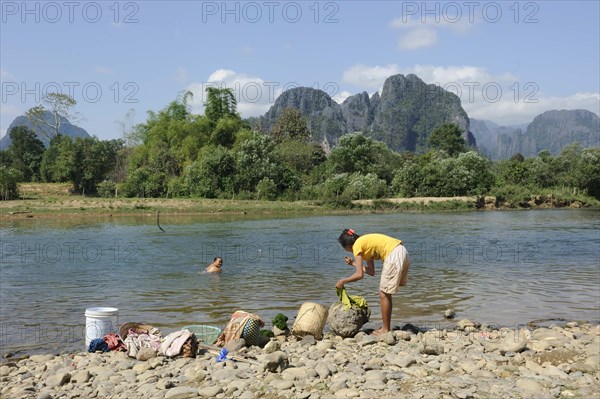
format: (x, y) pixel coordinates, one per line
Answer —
(350, 232)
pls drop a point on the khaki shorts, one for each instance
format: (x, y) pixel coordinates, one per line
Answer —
(395, 270)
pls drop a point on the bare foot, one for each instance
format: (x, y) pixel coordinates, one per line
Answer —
(379, 332)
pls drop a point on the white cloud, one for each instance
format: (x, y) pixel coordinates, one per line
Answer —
(341, 97)
(418, 38)
(466, 75)
(254, 95)
(364, 76)
(502, 98)
(423, 32)
(509, 111)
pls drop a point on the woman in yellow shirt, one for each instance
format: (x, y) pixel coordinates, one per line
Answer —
(371, 247)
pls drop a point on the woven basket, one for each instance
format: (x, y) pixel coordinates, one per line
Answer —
(140, 328)
(251, 332)
(310, 320)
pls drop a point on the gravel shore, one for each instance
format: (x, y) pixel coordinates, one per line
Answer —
(466, 361)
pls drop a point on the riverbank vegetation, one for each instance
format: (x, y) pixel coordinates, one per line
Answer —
(176, 154)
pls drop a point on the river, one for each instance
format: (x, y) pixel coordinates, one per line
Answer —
(499, 267)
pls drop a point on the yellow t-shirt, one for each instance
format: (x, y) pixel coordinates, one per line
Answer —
(374, 246)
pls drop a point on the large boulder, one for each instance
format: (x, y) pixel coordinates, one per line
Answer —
(346, 322)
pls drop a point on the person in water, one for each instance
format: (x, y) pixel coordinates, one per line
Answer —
(215, 266)
(371, 247)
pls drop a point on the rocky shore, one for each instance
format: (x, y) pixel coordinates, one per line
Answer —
(465, 361)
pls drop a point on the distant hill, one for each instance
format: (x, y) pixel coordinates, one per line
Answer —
(403, 115)
(43, 132)
(552, 131)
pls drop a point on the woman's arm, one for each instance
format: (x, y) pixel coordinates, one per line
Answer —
(358, 274)
(370, 269)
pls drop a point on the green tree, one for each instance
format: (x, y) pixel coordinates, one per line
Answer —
(579, 169)
(587, 171)
(334, 187)
(511, 171)
(358, 153)
(436, 174)
(220, 103)
(467, 174)
(518, 157)
(407, 180)
(448, 137)
(25, 152)
(299, 156)
(367, 186)
(255, 161)
(4, 158)
(212, 174)
(58, 161)
(266, 189)
(60, 106)
(9, 183)
(224, 131)
(290, 125)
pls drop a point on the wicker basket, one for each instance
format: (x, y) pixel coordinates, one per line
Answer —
(310, 320)
(140, 328)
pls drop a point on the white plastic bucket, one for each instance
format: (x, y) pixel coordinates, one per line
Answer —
(99, 322)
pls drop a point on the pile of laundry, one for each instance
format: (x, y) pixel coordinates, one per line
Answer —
(144, 341)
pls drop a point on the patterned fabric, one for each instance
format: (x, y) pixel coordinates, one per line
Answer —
(114, 342)
(236, 326)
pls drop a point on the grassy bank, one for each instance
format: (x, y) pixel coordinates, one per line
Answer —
(55, 200)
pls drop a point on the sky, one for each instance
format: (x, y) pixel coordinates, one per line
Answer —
(508, 61)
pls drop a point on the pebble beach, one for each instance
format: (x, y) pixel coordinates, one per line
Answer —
(465, 360)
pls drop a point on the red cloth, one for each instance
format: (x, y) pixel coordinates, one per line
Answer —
(114, 342)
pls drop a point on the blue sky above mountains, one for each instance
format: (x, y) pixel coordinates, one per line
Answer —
(508, 61)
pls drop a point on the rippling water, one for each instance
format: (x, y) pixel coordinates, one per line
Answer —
(495, 267)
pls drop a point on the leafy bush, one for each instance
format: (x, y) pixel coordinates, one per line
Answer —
(367, 186)
(211, 174)
(437, 175)
(106, 188)
(266, 189)
(142, 183)
(9, 179)
(333, 187)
